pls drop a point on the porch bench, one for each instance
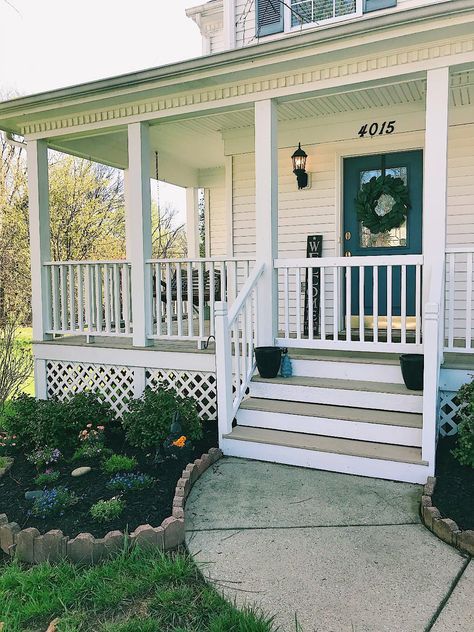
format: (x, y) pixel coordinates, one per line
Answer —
(195, 288)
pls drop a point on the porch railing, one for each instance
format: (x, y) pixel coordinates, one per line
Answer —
(459, 291)
(236, 338)
(90, 297)
(185, 292)
(360, 302)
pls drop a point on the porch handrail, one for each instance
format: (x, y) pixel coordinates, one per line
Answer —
(202, 260)
(350, 262)
(236, 337)
(86, 262)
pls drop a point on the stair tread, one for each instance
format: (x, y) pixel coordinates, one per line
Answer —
(345, 413)
(332, 383)
(356, 357)
(318, 443)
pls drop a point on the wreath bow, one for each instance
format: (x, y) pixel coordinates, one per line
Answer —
(372, 211)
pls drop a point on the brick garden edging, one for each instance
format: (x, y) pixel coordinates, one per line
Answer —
(445, 528)
(29, 545)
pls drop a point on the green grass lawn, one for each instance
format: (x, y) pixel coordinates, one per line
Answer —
(137, 592)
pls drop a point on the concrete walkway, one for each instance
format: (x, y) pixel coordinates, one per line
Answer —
(333, 552)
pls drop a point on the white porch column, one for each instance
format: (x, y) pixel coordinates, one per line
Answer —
(229, 204)
(192, 222)
(229, 24)
(434, 246)
(266, 211)
(40, 247)
(138, 213)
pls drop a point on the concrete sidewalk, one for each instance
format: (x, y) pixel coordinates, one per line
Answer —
(333, 552)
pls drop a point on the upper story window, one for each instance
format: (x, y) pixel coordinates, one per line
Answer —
(315, 11)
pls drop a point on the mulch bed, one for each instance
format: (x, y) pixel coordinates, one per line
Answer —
(454, 491)
(151, 505)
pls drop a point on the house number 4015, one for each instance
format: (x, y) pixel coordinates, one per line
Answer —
(376, 129)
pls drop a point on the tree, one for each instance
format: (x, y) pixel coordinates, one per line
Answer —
(168, 237)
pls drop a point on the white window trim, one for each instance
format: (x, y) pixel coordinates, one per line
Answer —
(311, 25)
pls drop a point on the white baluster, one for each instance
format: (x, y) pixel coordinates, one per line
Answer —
(55, 293)
(179, 294)
(361, 304)
(169, 298)
(418, 304)
(107, 308)
(116, 294)
(403, 291)
(389, 304)
(201, 299)
(286, 299)
(127, 311)
(72, 301)
(63, 297)
(336, 303)
(190, 300)
(80, 297)
(322, 304)
(348, 303)
(375, 303)
(298, 303)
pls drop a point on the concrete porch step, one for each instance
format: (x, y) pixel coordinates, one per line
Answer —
(349, 456)
(339, 392)
(363, 424)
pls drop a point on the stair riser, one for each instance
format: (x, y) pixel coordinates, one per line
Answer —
(379, 433)
(338, 397)
(360, 466)
(388, 373)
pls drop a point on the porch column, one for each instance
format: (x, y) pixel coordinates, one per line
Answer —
(434, 246)
(266, 212)
(192, 222)
(138, 212)
(40, 251)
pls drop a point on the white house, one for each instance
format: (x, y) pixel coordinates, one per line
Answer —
(369, 88)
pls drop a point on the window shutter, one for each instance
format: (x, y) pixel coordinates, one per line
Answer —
(269, 17)
(375, 5)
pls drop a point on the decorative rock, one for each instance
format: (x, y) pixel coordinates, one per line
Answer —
(430, 514)
(114, 542)
(50, 547)
(446, 529)
(8, 533)
(25, 545)
(426, 501)
(174, 532)
(80, 471)
(80, 550)
(465, 541)
(430, 486)
(34, 494)
(215, 454)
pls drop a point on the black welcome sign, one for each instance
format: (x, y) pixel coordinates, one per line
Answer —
(314, 248)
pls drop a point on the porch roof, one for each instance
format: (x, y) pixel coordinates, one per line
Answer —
(294, 51)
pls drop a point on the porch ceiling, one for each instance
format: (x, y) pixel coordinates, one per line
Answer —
(187, 145)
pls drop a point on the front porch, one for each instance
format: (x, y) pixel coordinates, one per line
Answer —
(194, 322)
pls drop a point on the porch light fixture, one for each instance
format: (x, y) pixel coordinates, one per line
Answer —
(299, 167)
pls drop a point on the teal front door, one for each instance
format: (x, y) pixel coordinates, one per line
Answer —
(405, 240)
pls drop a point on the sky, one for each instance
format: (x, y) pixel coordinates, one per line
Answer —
(47, 44)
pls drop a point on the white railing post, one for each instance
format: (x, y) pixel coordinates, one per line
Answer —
(435, 185)
(38, 197)
(430, 384)
(138, 211)
(266, 203)
(223, 369)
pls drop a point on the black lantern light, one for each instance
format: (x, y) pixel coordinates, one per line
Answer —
(299, 167)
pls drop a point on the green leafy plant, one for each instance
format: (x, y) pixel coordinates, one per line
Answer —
(107, 510)
(119, 463)
(148, 420)
(45, 456)
(464, 450)
(47, 478)
(129, 482)
(39, 423)
(4, 461)
(54, 501)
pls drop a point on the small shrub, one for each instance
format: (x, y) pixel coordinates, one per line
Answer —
(119, 463)
(92, 439)
(54, 501)
(39, 423)
(464, 450)
(4, 461)
(107, 510)
(47, 478)
(45, 456)
(7, 443)
(89, 451)
(148, 420)
(130, 482)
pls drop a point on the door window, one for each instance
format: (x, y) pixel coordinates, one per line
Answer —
(396, 237)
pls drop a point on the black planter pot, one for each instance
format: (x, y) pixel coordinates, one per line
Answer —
(268, 361)
(412, 365)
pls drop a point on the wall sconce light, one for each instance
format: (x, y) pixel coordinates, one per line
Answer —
(299, 167)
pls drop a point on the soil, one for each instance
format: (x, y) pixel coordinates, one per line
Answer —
(151, 505)
(454, 490)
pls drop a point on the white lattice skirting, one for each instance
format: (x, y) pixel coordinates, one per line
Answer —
(116, 384)
(448, 413)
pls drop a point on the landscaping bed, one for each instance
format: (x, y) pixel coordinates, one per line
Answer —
(146, 506)
(454, 491)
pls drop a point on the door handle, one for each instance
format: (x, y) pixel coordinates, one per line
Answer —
(347, 235)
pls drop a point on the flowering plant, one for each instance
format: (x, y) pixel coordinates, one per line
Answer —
(92, 440)
(54, 501)
(45, 456)
(129, 482)
(180, 443)
(7, 442)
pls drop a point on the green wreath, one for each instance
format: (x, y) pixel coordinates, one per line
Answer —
(382, 204)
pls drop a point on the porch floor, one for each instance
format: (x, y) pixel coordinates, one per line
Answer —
(122, 342)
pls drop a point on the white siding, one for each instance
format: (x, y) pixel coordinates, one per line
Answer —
(216, 42)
